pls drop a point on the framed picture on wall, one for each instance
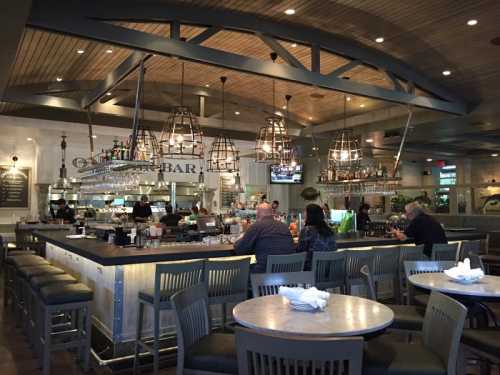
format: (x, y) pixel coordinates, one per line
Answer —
(15, 187)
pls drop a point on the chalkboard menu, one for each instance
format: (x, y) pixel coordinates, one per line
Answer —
(14, 187)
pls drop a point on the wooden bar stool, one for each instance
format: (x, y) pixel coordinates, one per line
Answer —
(8, 275)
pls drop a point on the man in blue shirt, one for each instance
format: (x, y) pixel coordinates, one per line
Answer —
(265, 237)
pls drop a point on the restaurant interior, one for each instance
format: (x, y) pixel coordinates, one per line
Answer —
(250, 187)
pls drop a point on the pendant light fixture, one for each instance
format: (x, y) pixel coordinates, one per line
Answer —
(289, 157)
(344, 154)
(223, 155)
(62, 182)
(272, 138)
(181, 137)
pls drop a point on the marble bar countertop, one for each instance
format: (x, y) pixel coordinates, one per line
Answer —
(109, 255)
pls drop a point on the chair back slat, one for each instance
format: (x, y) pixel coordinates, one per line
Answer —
(227, 278)
(469, 248)
(427, 266)
(444, 251)
(369, 283)
(264, 284)
(329, 269)
(286, 263)
(175, 276)
(385, 261)
(443, 325)
(260, 354)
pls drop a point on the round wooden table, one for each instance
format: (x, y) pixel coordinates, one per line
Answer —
(343, 316)
(487, 287)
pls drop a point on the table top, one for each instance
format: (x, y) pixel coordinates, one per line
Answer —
(488, 286)
(343, 316)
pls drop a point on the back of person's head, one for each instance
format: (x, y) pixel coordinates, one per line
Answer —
(364, 206)
(203, 211)
(413, 209)
(61, 202)
(169, 209)
(264, 210)
(315, 217)
(195, 210)
(144, 198)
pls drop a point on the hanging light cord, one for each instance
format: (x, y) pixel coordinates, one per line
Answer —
(182, 84)
(223, 80)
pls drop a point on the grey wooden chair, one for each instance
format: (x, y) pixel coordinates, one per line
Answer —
(406, 317)
(416, 267)
(260, 353)
(169, 279)
(483, 344)
(265, 284)
(469, 248)
(445, 251)
(437, 352)
(199, 351)
(286, 263)
(227, 282)
(355, 259)
(408, 253)
(386, 267)
(328, 268)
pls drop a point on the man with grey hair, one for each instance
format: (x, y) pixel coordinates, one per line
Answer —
(423, 229)
(265, 237)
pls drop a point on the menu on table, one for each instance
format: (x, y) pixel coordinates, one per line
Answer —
(14, 187)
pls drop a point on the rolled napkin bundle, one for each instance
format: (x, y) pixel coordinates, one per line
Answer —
(463, 272)
(313, 297)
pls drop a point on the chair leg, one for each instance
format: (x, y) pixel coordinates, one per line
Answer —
(224, 315)
(88, 337)
(47, 323)
(156, 343)
(138, 334)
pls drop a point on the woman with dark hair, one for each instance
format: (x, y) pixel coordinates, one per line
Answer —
(316, 234)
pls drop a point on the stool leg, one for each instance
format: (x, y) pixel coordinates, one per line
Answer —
(47, 324)
(140, 316)
(224, 316)
(156, 343)
(88, 336)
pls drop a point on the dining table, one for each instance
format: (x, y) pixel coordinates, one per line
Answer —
(343, 315)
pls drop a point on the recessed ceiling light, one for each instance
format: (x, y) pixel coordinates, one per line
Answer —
(58, 79)
(237, 113)
(369, 140)
(29, 139)
(362, 106)
(472, 22)
(290, 12)
(207, 85)
(446, 72)
(428, 160)
(109, 50)
(294, 45)
(379, 40)
(80, 51)
(108, 94)
(284, 107)
(494, 155)
(348, 98)
(94, 136)
(310, 118)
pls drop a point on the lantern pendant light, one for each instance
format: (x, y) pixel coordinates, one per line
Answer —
(344, 154)
(272, 138)
(289, 158)
(223, 155)
(181, 137)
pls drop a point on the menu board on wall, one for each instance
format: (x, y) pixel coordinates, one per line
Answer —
(14, 187)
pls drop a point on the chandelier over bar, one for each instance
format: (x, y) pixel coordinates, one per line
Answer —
(181, 137)
(223, 155)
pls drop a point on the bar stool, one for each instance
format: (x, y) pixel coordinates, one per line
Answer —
(8, 274)
(169, 279)
(75, 301)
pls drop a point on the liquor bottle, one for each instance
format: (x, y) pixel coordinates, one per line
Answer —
(122, 151)
(380, 171)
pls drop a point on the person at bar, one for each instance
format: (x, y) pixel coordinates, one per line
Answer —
(171, 219)
(316, 234)
(142, 210)
(275, 205)
(265, 237)
(423, 228)
(362, 218)
(195, 212)
(65, 212)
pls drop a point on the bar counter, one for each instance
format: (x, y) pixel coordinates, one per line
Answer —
(110, 255)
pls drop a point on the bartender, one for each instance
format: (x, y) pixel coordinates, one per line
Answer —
(362, 218)
(66, 213)
(171, 219)
(142, 210)
(423, 228)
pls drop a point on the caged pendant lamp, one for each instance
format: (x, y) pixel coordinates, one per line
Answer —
(289, 157)
(181, 137)
(272, 139)
(344, 154)
(223, 155)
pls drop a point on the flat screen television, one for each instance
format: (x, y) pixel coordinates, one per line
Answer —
(289, 175)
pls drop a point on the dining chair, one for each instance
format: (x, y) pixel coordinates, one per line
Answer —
(437, 353)
(484, 345)
(199, 350)
(355, 259)
(445, 251)
(423, 266)
(227, 282)
(262, 353)
(265, 284)
(407, 253)
(286, 263)
(386, 267)
(328, 268)
(469, 248)
(406, 317)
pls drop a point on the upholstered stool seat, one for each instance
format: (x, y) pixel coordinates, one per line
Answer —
(29, 272)
(28, 261)
(65, 293)
(215, 353)
(15, 253)
(38, 282)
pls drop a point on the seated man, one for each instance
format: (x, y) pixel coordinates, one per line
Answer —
(170, 219)
(265, 237)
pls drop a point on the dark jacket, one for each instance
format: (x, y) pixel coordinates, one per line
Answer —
(141, 211)
(66, 213)
(171, 220)
(310, 240)
(424, 229)
(265, 237)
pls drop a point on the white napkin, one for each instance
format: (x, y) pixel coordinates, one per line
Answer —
(463, 271)
(311, 296)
